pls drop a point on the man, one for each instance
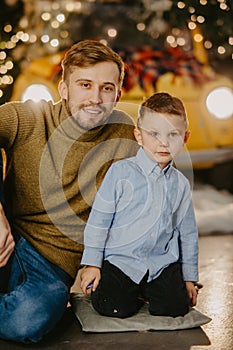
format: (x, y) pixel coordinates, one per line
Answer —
(57, 155)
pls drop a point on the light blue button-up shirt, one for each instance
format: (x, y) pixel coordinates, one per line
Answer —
(143, 220)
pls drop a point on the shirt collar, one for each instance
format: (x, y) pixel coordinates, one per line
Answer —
(151, 166)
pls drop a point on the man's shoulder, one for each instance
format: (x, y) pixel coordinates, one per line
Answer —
(28, 107)
(121, 117)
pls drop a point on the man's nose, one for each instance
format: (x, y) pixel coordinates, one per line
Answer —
(95, 96)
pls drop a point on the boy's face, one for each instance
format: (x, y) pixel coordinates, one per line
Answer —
(162, 136)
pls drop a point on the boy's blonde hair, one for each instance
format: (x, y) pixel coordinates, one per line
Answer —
(162, 103)
(87, 53)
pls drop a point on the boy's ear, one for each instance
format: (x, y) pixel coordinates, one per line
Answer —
(186, 136)
(138, 136)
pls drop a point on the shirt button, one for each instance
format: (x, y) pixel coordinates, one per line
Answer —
(152, 234)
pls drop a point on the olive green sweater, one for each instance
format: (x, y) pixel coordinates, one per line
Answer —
(54, 168)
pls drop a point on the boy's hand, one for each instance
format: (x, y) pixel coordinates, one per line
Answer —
(7, 243)
(192, 290)
(89, 275)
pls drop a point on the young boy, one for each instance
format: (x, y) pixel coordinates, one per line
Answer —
(141, 239)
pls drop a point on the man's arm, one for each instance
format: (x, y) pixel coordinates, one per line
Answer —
(7, 243)
(8, 132)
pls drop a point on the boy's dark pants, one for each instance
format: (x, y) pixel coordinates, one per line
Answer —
(118, 296)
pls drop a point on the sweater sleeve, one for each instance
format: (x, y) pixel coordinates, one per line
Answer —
(19, 122)
(8, 125)
(1, 178)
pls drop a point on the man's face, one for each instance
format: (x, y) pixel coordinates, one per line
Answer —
(91, 93)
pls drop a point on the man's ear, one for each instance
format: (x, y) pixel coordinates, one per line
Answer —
(118, 97)
(138, 136)
(186, 136)
(63, 90)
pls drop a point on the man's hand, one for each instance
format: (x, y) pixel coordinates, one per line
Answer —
(89, 275)
(7, 243)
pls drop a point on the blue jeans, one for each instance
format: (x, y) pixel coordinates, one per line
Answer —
(36, 297)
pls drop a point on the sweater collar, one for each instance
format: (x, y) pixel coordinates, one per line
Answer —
(72, 129)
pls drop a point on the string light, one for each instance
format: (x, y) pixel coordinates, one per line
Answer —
(191, 9)
(221, 50)
(2, 55)
(55, 24)
(60, 17)
(46, 16)
(45, 38)
(54, 42)
(33, 38)
(192, 25)
(223, 6)
(141, 26)
(181, 5)
(46, 27)
(200, 19)
(198, 38)
(208, 44)
(8, 28)
(112, 32)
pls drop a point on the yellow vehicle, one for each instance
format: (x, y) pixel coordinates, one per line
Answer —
(207, 96)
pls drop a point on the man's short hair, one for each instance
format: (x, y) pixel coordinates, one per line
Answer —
(87, 53)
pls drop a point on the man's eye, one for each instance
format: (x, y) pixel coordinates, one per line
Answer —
(86, 85)
(108, 88)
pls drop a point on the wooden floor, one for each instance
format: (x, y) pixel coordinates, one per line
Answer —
(215, 300)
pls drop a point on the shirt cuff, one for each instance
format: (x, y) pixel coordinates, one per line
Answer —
(92, 257)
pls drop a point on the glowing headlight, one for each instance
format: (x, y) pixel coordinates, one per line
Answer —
(220, 102)
(36, 92)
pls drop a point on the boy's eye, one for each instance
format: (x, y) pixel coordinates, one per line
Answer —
(174, 134)
(154, 133)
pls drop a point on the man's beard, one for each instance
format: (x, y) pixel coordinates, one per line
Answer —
(89, 123)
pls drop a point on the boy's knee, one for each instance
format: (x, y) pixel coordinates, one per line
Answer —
(107, 306)
(173, 309)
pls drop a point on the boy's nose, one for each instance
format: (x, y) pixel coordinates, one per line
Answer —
(163, 141)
